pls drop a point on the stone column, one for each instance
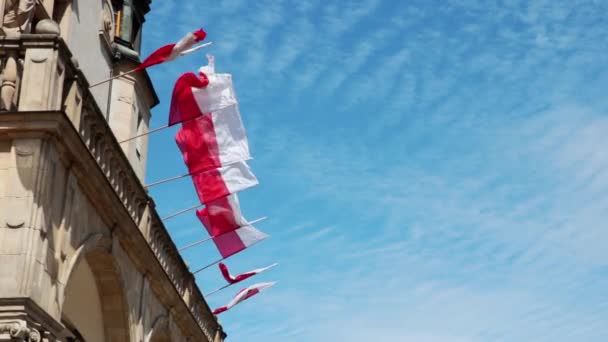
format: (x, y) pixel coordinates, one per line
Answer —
(43, 72)
(9, 82)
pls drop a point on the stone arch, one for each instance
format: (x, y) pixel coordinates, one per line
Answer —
(159, 332)
(95, 253)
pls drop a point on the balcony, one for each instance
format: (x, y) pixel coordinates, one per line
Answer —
(44, 92)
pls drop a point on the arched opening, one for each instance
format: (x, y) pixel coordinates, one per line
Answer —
(94, 307)
(82, 310)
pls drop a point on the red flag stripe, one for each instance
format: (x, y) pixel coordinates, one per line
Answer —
(217, 183)
(198, 144)
(222, 215)
(213, 140)
(229, 244)
(183, 105)
(237, 240)
(233, 280)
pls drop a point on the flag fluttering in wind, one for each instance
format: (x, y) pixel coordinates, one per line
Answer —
(243, 295)
(222, 215)
(171, 51)
(213, 140)
(236, 279)
(217, 183)
(237, 240)
(195, 95)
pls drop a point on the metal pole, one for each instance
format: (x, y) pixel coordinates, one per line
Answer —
(194, 244)
(181, 212)
(144, 134)
(165, 180)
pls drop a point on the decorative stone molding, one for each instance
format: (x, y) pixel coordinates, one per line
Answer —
(107, 25)
(47, 26)
(19, 330)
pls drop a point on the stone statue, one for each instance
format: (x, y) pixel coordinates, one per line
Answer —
(16, 16)
(16, 19)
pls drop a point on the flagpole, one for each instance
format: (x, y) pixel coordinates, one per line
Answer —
(156, 130)
(222, 259)
(112, 78)
(211, 264)
(196, 48)
(187, 174)
(144, 134)
(166, 180)
(195, 244)
(209, 238)
(218, 290)
(181, 212)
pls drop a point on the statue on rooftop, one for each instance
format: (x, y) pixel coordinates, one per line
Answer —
(16, 16)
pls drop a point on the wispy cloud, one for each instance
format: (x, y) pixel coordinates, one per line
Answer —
(432, 172)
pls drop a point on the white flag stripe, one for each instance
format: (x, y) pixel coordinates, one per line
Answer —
(243, 293)
(217, 95)
(249, 235)
(230, 135)
(238, 176)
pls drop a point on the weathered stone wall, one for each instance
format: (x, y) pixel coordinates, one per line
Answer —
(47, 226)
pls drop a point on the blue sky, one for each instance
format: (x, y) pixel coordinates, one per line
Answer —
(432, 170)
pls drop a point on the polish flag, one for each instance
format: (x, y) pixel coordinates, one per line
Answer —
(222, 215)
(235, 279)
(237, 240)
(217, 183)
(171, 51)
(244, 294)
(195, 95)
(213, 140)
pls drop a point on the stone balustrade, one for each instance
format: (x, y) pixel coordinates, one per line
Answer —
(40, 75)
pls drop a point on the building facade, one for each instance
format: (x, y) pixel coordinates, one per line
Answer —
(84, 255)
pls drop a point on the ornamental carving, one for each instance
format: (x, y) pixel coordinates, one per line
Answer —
(19, 330)
(107, 21)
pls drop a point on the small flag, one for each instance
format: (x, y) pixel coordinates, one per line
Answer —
(213, 140)
(171, 51)
(243, 295)
(222, 215)
(217, 183)
(237, 240)
(195, 95)
(233, 280)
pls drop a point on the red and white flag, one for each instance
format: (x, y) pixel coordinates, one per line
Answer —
(171, 51)
(213, 140)
(244, 294)
(222, 215)
(195, 95)
(235, 279)
(217, 183)
(237, 240)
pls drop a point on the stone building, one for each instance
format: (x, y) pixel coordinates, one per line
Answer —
(84, 255)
